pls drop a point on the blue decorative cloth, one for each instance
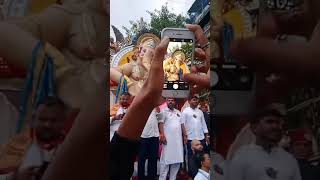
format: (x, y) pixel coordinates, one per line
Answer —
(45, 88)
(228, 37)
(180, 74)
(122, 88)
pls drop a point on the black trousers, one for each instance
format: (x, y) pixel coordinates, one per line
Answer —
(149, 148)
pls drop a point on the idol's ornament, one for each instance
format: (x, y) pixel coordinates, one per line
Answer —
(130, 66)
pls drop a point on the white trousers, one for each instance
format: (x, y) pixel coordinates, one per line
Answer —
(164, 169)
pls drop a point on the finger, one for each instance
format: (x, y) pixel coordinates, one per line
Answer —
(296, 23)
(269, 56)
(159, 53)
(156, 75)
(195, 89)
(198, 32)
(194, 69)
(201, 68)
(268, 26)
(199, 53)
(197, 79)
(201, 57)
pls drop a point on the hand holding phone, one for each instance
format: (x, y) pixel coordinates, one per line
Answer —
(178, 61)
(199, 78)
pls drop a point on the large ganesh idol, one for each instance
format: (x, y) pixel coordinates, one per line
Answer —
(131, 73)
(73, 35)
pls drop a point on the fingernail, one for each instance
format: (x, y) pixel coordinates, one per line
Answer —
(165, 40)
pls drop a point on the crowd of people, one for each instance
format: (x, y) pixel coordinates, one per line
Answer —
(175, 132)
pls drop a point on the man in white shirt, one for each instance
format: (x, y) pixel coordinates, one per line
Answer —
(171, 135)
(264, 159)
(116, 119)
(195, 124)
(149, 147)
(48, 134)
(203, 163)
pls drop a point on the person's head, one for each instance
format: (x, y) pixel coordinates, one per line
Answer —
(267, 124)
(49, 120)
(203, 107)
(301, 143)
(148, 43)
(125, 100)
(196, 146)
(171, 103)
(203, 161)
(179, 56)
(194, 100)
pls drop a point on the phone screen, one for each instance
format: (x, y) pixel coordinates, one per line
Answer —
(240, 21)
(177, 62)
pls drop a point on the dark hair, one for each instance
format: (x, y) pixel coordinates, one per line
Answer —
(199, 158)
(51, 101)
(259, 114)
(126, 94)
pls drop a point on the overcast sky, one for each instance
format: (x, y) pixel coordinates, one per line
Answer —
(122, 11)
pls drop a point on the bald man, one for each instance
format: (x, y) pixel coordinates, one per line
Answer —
(196, 147)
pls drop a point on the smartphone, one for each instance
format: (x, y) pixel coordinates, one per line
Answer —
(177, 62)
(233, 84)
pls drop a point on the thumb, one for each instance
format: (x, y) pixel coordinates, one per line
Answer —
(160, 52)
(156, 69)
(156, 76)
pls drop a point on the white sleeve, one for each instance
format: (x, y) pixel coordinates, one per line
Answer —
(235, 168)
(204, 124)
(160, 117)
(181, 120)
(183, 117)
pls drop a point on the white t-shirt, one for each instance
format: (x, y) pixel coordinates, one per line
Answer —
(114, 125)
(151, 129)
(35, 156)
(202, 175)
(194, 123)
(252, 162)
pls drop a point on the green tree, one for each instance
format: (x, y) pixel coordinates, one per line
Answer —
(159, 19)
(137, 27)
(187, 49)
(163, 18)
